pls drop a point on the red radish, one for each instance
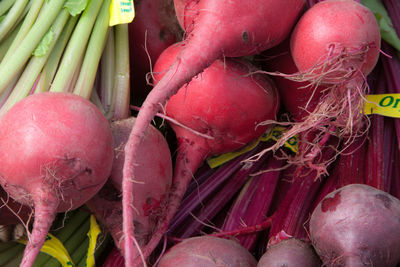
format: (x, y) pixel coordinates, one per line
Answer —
(56, 153)
(220, 28)
(150, 190)
(154, 29)
(335, 44)
(207, 251)
(291, 252)
(357, 225)
(295, 95)
(220, 109)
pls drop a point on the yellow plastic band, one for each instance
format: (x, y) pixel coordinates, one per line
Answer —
(53, 247)
(93, 234)
(273, 134)
(383, 104)
(121, 11)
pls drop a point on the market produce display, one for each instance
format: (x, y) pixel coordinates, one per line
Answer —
(199, 133)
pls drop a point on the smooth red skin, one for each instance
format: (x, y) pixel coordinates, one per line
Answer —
(52, 130)
(222, 91)
(294, 95)
(13, 212)
(223, 102)
(155, 28)
(207, 251)
(344, 22)
(56, 153)
(221, 29)
(357, 225)
(274, 22)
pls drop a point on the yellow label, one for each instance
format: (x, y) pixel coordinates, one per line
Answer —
(383, 104)
(93, 233)
(121, 11)
(54, 248)
(273, 134)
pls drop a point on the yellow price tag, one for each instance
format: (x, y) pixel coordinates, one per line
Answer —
(53, 247)
(383, 104)
(121, 11)
(273, 134)
(93, 233)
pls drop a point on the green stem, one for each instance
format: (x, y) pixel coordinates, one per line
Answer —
(72, 224)
(6, 245)
(122, 73)
(9, 68)
(7, 24)
(35, 65)
(72, 242)
(5, 5)
(76, 47)
(94, 50)
(15, 261)
(9, 88)
(6, 43)
(95, 99)
(25, 27)
(50, 68)
(11, 253)
(107, 71)
(80, 252)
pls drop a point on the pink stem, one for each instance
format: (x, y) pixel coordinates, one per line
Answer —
(45, 212)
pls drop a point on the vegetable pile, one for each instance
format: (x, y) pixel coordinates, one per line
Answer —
(199, 133)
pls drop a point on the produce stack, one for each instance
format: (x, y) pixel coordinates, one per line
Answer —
(188, 133)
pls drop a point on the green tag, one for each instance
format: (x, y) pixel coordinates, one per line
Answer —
(121, 11)
(53, 247)
(273, 134)
(383, 104)
(93, 233)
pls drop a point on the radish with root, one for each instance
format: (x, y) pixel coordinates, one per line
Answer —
(150, 190)
(207, 251)
(56, 153)
(220, 28)
(357, 225)
(335, 45)
(217, 112)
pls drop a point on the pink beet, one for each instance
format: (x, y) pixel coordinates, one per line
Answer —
(219, 29)
(56, 153)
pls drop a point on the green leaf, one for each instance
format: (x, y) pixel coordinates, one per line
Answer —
(44, 45)
(75, 7)
(388, 33)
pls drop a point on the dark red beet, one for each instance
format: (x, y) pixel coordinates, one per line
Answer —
(290, 253)
(207, 251)
(357, 225)
(154, 29)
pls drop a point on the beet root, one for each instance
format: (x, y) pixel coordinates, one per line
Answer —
(357, 225)
(207, 251)
(56, 153)
(290, 252)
